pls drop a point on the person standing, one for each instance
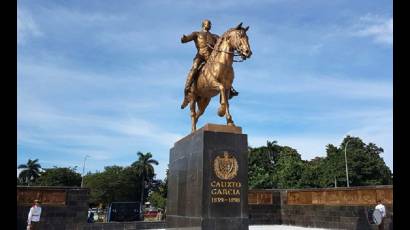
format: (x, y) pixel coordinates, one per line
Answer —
(90, 217)
(159, 215)
(33, 219)
(382, 209)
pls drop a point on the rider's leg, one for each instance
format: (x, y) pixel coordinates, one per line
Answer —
(195, 66)
(189, 80)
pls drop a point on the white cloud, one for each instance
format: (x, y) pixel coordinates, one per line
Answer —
(339, 86)
(26, 26)
(81, 16)
(55, 116)
(53, 125)
(216, 4)
(41, 124)
(376, 27)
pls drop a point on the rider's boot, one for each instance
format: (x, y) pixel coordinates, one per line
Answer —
(186, 99)
(233, 93)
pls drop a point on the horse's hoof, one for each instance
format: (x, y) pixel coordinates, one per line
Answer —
(222, 110)
(231, 124)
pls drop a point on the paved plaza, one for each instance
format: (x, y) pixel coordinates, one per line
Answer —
(260, 227)
(281, 227)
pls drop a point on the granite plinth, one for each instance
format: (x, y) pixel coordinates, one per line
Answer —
(208, 180)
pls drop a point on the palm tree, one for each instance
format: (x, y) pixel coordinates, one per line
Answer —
(145, 170)
(30, 172)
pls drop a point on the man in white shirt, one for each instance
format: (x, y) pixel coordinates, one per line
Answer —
(382, 209)
(34, 216)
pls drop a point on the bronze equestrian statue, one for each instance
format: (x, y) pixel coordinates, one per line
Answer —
(204, 41)
(216, 74)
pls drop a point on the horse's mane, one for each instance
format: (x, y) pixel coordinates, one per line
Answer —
(218, 43)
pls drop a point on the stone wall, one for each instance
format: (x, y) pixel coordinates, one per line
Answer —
(60, 205)
(336, 208)
(66, 208)
(265, 207)
(118, 226)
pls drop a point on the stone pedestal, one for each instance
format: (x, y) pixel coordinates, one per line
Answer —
(208, 180)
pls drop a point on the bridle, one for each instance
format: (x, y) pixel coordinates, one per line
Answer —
(235, 53)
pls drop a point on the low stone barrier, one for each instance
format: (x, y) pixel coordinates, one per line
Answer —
(118, 225)
(336, 208)
(65, 208)
(60, 205)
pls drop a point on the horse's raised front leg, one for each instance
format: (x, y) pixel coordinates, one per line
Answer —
(223, 101)
(228, 116)
(193, 115)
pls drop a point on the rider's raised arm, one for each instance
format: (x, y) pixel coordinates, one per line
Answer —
(188, 38)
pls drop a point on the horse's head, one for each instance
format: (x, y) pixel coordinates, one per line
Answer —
(239, 41)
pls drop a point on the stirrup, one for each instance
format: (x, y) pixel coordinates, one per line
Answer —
(233, 93)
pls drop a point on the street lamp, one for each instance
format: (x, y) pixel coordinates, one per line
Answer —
(347, 173)
(82, 177)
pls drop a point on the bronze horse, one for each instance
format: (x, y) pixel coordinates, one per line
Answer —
(216, 75)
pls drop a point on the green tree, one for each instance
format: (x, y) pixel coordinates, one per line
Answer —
(322, 172)
(157, 200)
(261, 165)
(145, 170)
(165, 187)
(59, 177)
(365, 166)
(288, 169)
(312, 173)
(30, 171)
(158, 194)
(118, 183)
(275, 166)
(115, 183)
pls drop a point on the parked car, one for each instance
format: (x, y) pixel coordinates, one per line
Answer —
(125, 211)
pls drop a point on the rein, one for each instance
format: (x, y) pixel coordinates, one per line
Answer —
(228, 52)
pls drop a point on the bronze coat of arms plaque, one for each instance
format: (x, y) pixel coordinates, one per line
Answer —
(226, 166)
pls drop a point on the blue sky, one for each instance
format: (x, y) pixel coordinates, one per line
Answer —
(105, 78)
